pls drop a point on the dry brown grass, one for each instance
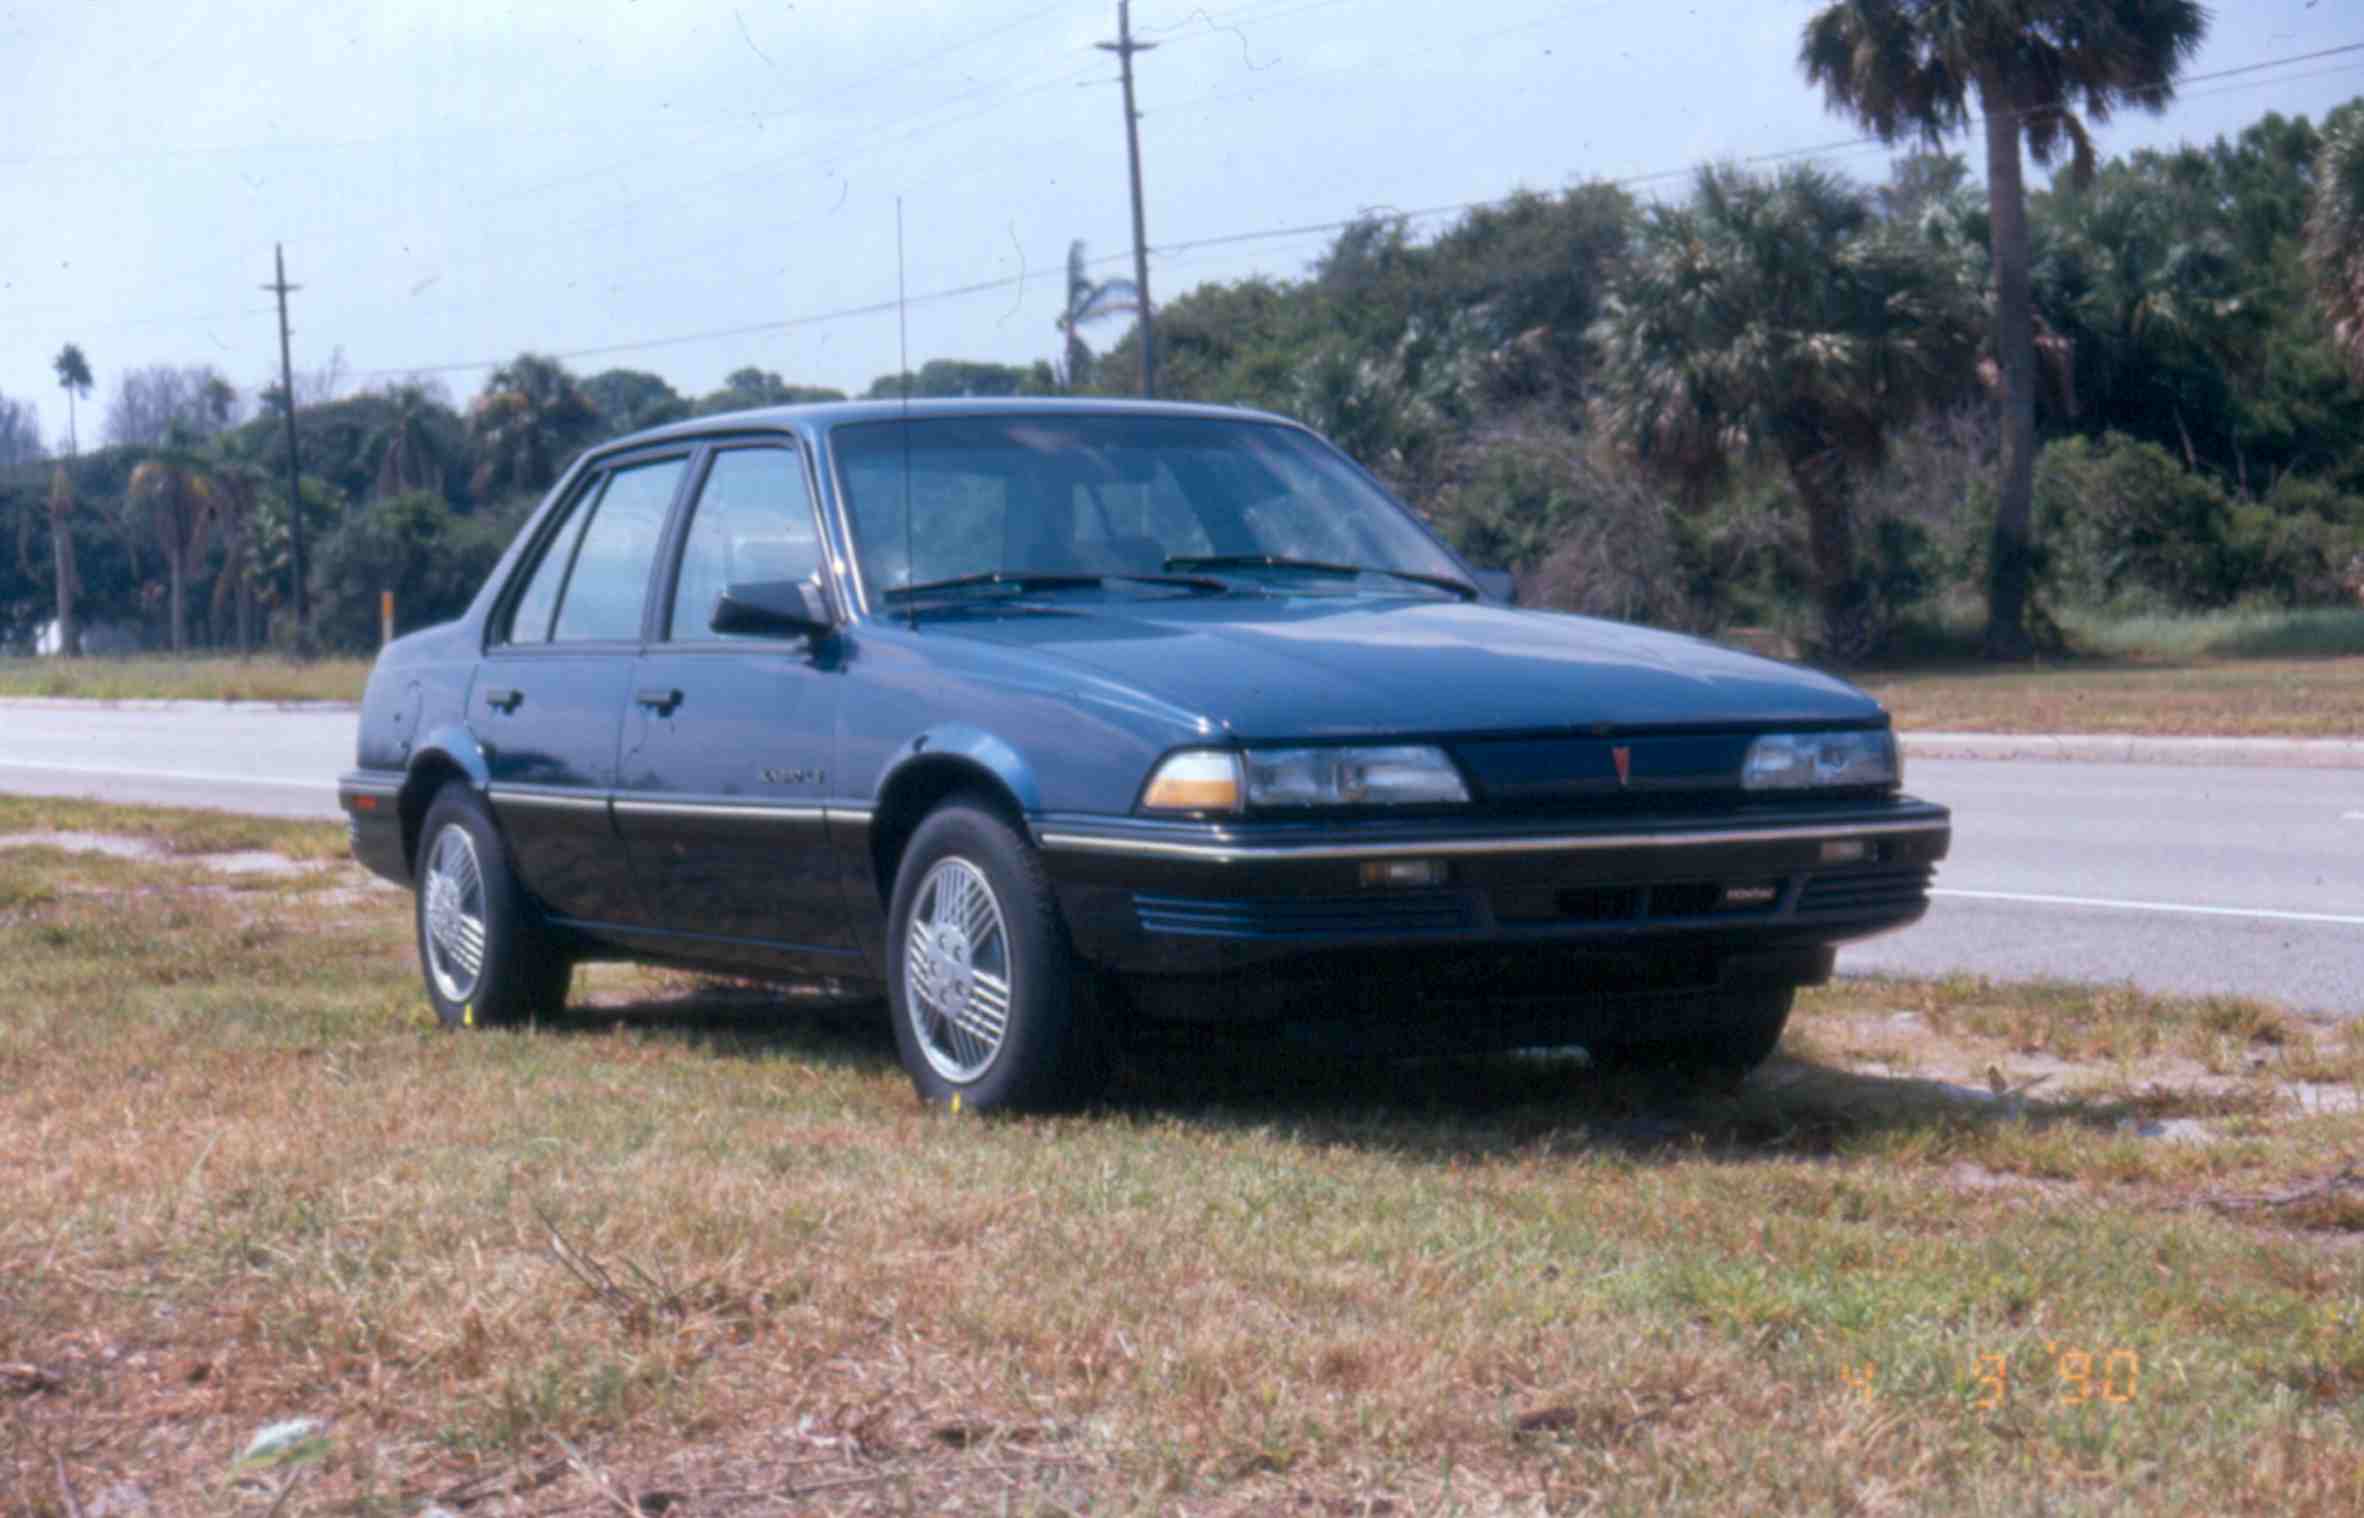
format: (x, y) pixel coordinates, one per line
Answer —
(2246, 698)
(683, 1253)
(264, 677)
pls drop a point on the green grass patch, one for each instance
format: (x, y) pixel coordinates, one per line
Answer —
(2262, 697)
(265, 677)
(176, 830)
(2315, 634)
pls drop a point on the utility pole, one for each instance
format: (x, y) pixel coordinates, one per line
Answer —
(295, 500)
(1125, 47)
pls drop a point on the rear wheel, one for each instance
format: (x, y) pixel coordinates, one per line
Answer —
(1724, 1035)
(980, 977)
(483, 951)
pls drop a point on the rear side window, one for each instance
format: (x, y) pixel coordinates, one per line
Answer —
(754, 522)
(609, 582)
(529, 618)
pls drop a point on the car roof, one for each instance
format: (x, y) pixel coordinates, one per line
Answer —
(821, 416)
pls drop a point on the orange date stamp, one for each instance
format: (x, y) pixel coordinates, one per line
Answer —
(2079, 1377)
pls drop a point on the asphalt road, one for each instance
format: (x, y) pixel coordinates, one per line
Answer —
(269, 760)
(2175, 878)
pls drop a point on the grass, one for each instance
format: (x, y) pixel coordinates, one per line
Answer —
(2293, 674)
(681, 1252)
(266, 677)
(2320, 633)
(2243, 698)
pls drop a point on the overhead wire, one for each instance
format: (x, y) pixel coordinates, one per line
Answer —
(1176, 249)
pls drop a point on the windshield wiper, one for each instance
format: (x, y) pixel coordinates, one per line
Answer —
(1320, 567)
(1023, 580)
(1015, 579)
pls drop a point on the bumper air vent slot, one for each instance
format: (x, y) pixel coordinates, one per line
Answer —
(1305, 916)
(1858, 891)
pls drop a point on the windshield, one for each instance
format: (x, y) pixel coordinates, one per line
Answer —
(1111, 495)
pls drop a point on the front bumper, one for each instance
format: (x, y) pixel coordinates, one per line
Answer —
(1167, 898)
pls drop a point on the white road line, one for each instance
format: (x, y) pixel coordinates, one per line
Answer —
(2258, 913)
(206, 777)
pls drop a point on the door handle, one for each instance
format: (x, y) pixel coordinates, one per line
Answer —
(662, 701)
(504, 700)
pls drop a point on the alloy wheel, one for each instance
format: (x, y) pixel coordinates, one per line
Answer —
(452, 898)
(956, 971)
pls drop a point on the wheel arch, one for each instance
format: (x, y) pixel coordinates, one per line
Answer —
(447, 754)
(934, 766)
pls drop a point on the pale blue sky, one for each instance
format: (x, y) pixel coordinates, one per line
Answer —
(457, 180)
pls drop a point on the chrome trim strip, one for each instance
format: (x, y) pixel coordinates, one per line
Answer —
(738, 811)
(860, 815)
(557, 801)
(367, 788)
(1235, 853)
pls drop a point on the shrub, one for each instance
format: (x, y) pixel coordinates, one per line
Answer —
(2125, 523)
(413, 544)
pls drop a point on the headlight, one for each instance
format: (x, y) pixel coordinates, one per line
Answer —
(1407, 776)
(1803, 761)
(1214, 780)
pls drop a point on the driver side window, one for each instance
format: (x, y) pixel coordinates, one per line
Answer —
(753, 522)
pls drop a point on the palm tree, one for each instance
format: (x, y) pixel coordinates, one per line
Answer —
(529, 418)
(241, 483)
(61, 542)
(73, 376)
(2335, 235)
(2142, 273)
(177, 487)
(1907, 68)
(1782, 316)
(413, 445)
(217, 403)
(1088, 302)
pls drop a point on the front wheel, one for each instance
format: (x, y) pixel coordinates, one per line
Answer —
(1723, 1035)
(980, 976)
(483, 950)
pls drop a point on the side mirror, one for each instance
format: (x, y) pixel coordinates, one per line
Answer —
(773, 609)
(1497, 585)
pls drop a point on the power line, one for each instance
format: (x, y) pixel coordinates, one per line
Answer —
(514, 195)
(1258, 236)
(1273, 234)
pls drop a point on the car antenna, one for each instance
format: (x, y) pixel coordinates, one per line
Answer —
(903, 367)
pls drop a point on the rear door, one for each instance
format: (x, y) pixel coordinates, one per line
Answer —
(728, 741)
(551, 692)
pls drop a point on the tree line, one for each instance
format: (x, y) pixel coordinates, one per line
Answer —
(1775, 400)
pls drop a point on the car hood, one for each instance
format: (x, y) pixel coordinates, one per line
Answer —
(1348, 665)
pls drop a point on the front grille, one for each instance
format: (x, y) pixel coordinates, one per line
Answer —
(1306, 917)
(1860, 891)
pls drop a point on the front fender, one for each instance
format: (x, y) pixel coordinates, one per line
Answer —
(973, 745)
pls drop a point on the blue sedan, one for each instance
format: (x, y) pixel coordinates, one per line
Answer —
(1050, 718)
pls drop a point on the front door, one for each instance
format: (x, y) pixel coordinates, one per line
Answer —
(728, 741)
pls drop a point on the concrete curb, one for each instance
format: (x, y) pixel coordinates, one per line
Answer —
(2108, 748)
(76, 703)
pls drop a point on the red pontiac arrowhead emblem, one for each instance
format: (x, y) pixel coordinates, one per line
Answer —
(1624, 761)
